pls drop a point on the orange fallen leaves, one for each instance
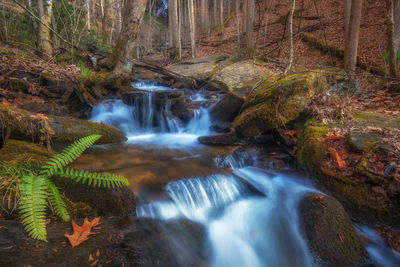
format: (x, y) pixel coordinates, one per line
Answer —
(334, 154)
(341, 237)
(334, 136)
(319, 196)
(396, 176)
(81, 233)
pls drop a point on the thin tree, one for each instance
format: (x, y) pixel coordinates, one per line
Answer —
(291, 52)
(250, 24)
(397, 25)
(192, 27)
(45, 9)
(391, 38)
(347, 11)
(238, 22)
(352, 38)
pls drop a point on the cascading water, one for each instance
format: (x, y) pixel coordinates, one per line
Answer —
(146, 122)
(251, 216)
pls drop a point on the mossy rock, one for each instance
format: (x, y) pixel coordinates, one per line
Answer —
(28, 126)
(243, 75)
(375, 119)
(24, 152)
(332, 237)
(357, 197)
(199, 68)
(274, 104)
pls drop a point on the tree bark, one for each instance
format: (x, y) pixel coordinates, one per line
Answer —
(347, 11)
(121, 59)
(397, 25)
(291, 53)
(250, 24)
(45, 8)
(238, 22)
(192, 27)
(391, 38)
(352, 38)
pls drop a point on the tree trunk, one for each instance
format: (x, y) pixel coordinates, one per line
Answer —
(87, 10)
(391, 43)
(250, 24)
(119, 19)
(238, 23)
(105, 21)
(350, 52)
(291, 53)
(44, 39)
(347, 11)
(397, 25)
(221, 15)
(121, 59)
(192, 27)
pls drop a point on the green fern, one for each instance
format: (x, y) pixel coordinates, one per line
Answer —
(68, 155)
(32, 206)
(35, 190)
(106, 180)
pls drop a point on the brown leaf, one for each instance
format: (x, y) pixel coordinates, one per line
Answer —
(334, 136)
(319, 196)
(94, 263)
(341, 237)
(97, 253)
(334, 154)
(81, 233)
(91, 257)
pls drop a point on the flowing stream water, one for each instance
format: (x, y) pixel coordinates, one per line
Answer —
(250, 214)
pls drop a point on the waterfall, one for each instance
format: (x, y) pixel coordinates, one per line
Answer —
(150, 119)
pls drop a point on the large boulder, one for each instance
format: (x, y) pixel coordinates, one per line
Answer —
(199, 68)
(368, 196)
(24, 125)
(332, 237)
(24, 152)
(243, 75)
(275, 104)
(225, 139)
(227, 108)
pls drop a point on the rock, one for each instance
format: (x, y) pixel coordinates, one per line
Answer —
(55, 86)
(221, 127)
(63, 131)
(274, 104)
(362, 141)
(24, 152)
(281, 138)
(358, 197)
(331, 235)
(49, 107)
(118, 201)
(375, 119)
(243, 75)
(183, 110)
(226, 139)
(200, 68)
(178, 242)
(227, 108)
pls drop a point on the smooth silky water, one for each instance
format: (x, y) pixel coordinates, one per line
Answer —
(250, 215)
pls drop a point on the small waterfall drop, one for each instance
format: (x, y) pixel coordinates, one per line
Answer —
(149, 118)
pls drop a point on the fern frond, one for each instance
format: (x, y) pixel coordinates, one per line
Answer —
(68, 155)
(32, 205)
(105, 180)
(56, 201)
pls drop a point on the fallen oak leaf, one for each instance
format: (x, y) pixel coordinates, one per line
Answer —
(334, 136)
(341, 237)
(319, 196)
(81, 233)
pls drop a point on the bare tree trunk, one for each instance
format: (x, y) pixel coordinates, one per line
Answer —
(397, 25)
(238, 23)
(215, 13)
(87, 10)
(192, 27)
(390, 33)
(45, 8)
(352, 38)
(291, 53)
(250, 24)
(119, 19)
(104, 20)
(221, 15)
(121, 59)
(180, 15)
(347, 11)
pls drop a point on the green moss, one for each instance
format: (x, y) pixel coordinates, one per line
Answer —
(356, 196)
(69, 57)
(276, 103)
(375, 119)
(22, 152)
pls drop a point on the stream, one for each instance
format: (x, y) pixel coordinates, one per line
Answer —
(250, 214)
